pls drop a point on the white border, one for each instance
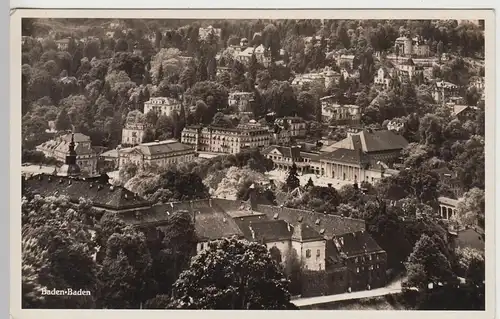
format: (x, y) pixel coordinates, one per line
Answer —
(15, 195)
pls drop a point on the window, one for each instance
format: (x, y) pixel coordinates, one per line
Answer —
(356, 260)
(319, 266)
(370, 257)
(318, 253)
(357, 269)
(377, 266)
(308, 253)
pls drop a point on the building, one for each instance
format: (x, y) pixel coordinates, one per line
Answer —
(162, 106)
(262, 55)
(227, 140)
(443, 91)
(70, 167)
(104, 197)
(204, 33)
(343, 59)
(134, 128)
(59, 148)
(363, 156)
(365, 260)
(447, 207)
(463, 112)
(337, 114)
(408, 70)
(383, 78)
(477, 82)
(296, 125)
(416, 47)
(242, 101)
(159, 153)
(395, 126)
(63, 44)
(280, 136)
(108, 161)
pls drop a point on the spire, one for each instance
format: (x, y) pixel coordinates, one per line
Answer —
(71, 157)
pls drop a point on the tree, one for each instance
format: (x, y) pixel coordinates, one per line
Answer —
(63, 122)
(232, 274)
(471, 208)
(125, 276)
(172, 251)
(429, 264)
(292, 181)
(310, 183)
(57, 251)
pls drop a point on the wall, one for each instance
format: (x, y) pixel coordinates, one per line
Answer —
(320, 283)
(314, 262)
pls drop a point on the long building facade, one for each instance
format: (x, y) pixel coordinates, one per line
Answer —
(226, 140)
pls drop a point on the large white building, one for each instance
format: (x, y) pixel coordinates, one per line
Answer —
(227, 140)
(133, 131)
(159, 153)
(162, 106)
(339, 114)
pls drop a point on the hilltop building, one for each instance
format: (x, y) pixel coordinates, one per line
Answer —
(162, 106)
(411, 47)
(296, 125)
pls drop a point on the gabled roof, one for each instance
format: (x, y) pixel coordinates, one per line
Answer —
(326, 225)
(356, 243)
(374, 141)
(343, 155)
(286, 151)
(102, 195)
(303, 232)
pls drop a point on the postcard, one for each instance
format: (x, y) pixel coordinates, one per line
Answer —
(252, 160)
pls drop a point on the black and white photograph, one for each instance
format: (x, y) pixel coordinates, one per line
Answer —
(254, 163)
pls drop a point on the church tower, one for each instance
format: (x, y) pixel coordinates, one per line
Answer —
(70, 168)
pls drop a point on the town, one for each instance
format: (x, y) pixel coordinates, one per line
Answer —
(253, 164)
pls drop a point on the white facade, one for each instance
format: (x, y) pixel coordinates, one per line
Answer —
(162, 106)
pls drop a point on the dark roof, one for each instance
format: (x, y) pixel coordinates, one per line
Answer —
(267, 230)
(304, 232)
(343, 155)
(210, 221)
(326, 225)
(374, 141)
(101, 195)
(287, 151)
(356, 243)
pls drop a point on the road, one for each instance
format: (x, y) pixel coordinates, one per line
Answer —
(390, 289)
(36, 169)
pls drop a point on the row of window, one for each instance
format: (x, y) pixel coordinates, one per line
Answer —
(371, 267)
(369, 257)
(308, 253)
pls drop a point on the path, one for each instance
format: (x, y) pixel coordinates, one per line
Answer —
(388, 290)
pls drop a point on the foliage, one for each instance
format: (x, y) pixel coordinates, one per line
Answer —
(232, 274)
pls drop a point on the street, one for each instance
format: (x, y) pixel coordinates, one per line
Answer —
(392, 288)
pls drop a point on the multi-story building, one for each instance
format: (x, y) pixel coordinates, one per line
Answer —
(383, 78)
(203, 33)
(337, 114)
(326, 77)
(241, 101)
(58, 148)
(345, 59)
(262, 55)
(363, 156)
(158, 153)
(477, 82)
(162, 106)
(133, 131)
(406, 46)
(443, 91)
(407, 70)
(63, 44)
(227, 140)
(296, 125)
